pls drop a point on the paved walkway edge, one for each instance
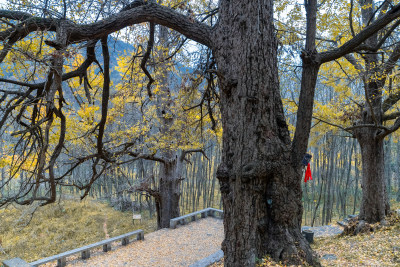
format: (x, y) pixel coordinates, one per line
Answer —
(217, 256)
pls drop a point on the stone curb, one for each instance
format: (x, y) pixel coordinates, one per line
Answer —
(217, 256)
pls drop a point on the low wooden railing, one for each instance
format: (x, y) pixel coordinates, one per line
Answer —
(85, 251)
(193, 216)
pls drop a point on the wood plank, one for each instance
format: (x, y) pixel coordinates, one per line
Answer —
(88, 247)
(16, 262)
(204, 213)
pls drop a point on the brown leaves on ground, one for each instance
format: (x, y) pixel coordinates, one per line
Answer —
(265, 262)
(268, 262)
(378, 248)
(182, 246)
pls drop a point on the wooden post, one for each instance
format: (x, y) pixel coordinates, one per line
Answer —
(85, 254)
(62, 262)
(106, 247)
(125, 241)
(140, 236)
(172, 224)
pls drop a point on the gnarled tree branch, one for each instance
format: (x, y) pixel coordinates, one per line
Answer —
(352, 44)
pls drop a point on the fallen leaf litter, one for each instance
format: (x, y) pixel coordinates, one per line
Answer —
(166, 247)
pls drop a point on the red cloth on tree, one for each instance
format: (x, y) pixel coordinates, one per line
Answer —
(308, 176)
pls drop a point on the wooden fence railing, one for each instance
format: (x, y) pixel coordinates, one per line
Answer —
(85, 251)
(193, 216)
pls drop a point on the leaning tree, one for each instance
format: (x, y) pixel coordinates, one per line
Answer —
(260, 171)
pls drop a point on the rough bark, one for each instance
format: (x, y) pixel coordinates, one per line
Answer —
(398, 172)
(374, 204)
(356, 164)
(260, 188)
(388, 165)
(169, 193)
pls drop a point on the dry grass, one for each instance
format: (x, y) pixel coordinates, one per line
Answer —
(60, 227)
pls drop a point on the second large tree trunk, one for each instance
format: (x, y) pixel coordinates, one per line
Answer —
(260, 188)
(374, 204)
(167, 202)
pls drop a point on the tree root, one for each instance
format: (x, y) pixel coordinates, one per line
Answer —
(356, 226)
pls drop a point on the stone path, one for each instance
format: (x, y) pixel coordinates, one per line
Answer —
(182, 246)
(325, 230)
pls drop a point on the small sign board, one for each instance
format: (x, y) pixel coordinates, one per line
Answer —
(136, 217)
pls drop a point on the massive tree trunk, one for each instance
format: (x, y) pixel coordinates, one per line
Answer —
(375, 203)
(260, 188)
(388, 165)
(167, 202)
(398, 172)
